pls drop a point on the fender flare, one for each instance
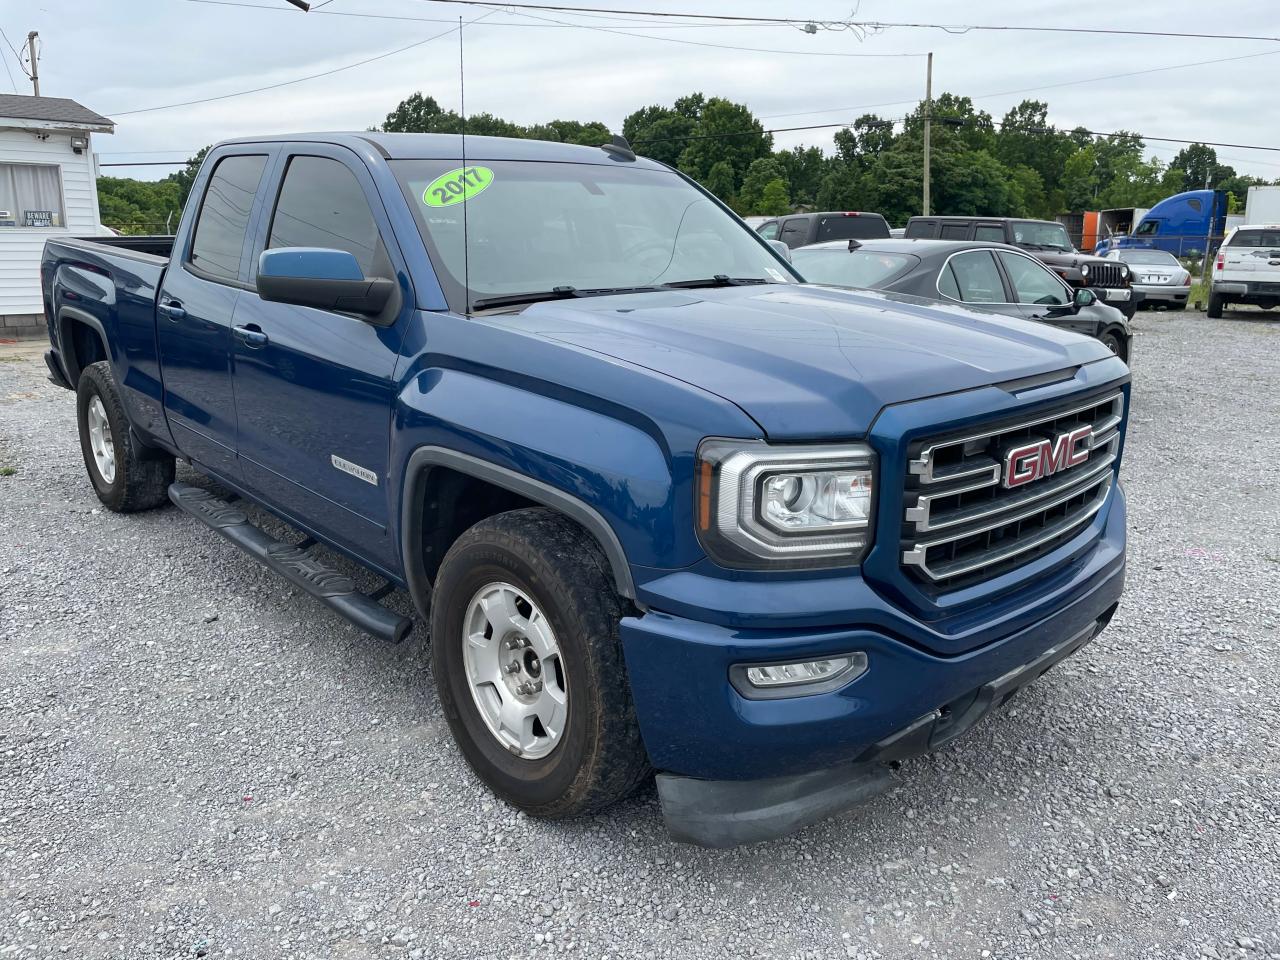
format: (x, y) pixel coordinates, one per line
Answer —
(420, 464)
(68, 358)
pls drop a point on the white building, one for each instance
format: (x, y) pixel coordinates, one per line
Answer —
(48, 187)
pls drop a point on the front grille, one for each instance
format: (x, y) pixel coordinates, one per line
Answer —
(1106, 275)
(962, 524)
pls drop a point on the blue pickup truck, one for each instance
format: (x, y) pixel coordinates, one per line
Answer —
(665, 506)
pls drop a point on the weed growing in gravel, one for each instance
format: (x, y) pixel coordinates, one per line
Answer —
(7, 471)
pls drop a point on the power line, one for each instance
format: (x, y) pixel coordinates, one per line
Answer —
(700, 43)
(1050, 86)
(548, 22)
(285, 83)
(871, 25)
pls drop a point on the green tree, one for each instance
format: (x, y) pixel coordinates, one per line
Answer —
(720, 182)
(1080, 179)
(774, 201)
(803, 168)
(725, 131)
(762, 172)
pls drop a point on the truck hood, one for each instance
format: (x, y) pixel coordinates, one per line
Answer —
(804, 361)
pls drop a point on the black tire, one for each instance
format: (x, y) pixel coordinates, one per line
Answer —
(1114, 341)
(1216, 303)
(599, 757)
(141, 478)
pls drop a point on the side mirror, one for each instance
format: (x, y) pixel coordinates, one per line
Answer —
(781, 249)
(320, 278)
(1085, 298)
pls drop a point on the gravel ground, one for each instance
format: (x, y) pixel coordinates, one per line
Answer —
(197, 761)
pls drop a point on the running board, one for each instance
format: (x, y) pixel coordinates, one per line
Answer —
(335, 590)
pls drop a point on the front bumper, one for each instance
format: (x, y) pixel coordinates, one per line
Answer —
(734, 770)
(1162, 293)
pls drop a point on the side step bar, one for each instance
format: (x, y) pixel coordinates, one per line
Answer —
(294, 563)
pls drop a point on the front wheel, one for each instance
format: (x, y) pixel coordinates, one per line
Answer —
(1113, 341)
(529, 667)
(124, 477)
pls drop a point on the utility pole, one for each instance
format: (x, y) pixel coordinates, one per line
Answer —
(928, 120)
(32, 37)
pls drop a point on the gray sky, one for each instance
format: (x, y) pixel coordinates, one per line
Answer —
(116, 56)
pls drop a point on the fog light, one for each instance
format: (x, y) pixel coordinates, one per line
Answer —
(802, 678)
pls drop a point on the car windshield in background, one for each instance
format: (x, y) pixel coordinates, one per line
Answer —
(861, 268)
(566, 229)
(852, 227)
(1149, 256)
(1256, 238)
(1050, 236)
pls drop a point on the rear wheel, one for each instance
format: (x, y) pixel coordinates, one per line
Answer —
(125, 477)
(529, 667)
(1216, 303)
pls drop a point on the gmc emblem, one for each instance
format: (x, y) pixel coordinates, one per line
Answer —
(1044, 458)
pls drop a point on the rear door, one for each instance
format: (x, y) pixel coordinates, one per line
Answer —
(795, 231)
(973, 277)
(196, 302)
(314, 400)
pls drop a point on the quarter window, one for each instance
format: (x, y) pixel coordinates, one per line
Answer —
(977, 279)
(224, 215)
(321, 204)
(1032, 283)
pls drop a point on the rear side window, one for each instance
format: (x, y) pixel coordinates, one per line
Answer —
(955, 231)
(852, 228)
(1255, 238)
(977, 279)
(920, 229)
(1195, 204)
(224, 215)
(793, 231)
(989, 233)
(321, 204)
(769, 230)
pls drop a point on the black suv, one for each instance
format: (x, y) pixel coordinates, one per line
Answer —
(802, 229)
(1048, 241)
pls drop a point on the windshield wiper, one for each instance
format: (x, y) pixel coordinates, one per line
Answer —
(555, 293)
(719, 280)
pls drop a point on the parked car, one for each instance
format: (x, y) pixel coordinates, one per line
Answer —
(1048, 241)
(802, 229)
(1247, 269)
(1157, 276)
(664, 507)
(989, 276)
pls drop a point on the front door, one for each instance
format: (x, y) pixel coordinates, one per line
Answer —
(193, 324)
(1041, 295)
(315, 389)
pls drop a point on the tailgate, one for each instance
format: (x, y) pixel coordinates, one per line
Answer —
(1252, 254)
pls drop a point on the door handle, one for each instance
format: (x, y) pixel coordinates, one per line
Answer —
(171, 309)
(251, 335)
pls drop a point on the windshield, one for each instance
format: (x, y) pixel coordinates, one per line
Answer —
(1149, 256)
(862, 268)
(1033, 233)
(536, 227)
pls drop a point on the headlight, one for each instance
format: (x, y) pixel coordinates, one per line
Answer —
(762, 506)
(1124, 273)
(1084, 270)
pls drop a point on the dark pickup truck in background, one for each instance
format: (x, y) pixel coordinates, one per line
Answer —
(664, 506)
(802, 229)
(1049, 242)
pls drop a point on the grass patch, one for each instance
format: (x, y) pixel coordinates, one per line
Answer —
(7, 471)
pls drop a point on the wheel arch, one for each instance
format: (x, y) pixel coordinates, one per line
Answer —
(83, 340)
(429, 465)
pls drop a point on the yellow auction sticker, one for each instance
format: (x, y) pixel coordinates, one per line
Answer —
(457, 186)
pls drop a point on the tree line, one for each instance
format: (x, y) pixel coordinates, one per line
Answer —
(1021, 165)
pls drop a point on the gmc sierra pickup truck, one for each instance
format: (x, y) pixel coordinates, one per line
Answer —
(664, 506)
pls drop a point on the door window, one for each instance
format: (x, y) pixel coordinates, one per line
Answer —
(793, 231)
(989, 233)
(955, 231)
(321, 204)
(977, 279)
(224, 216)
(769, 230)
(1147, 227)
(1032, 283)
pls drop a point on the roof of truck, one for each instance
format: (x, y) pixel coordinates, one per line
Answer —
(448, 146)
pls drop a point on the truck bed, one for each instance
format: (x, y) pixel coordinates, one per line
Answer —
(156, 246)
